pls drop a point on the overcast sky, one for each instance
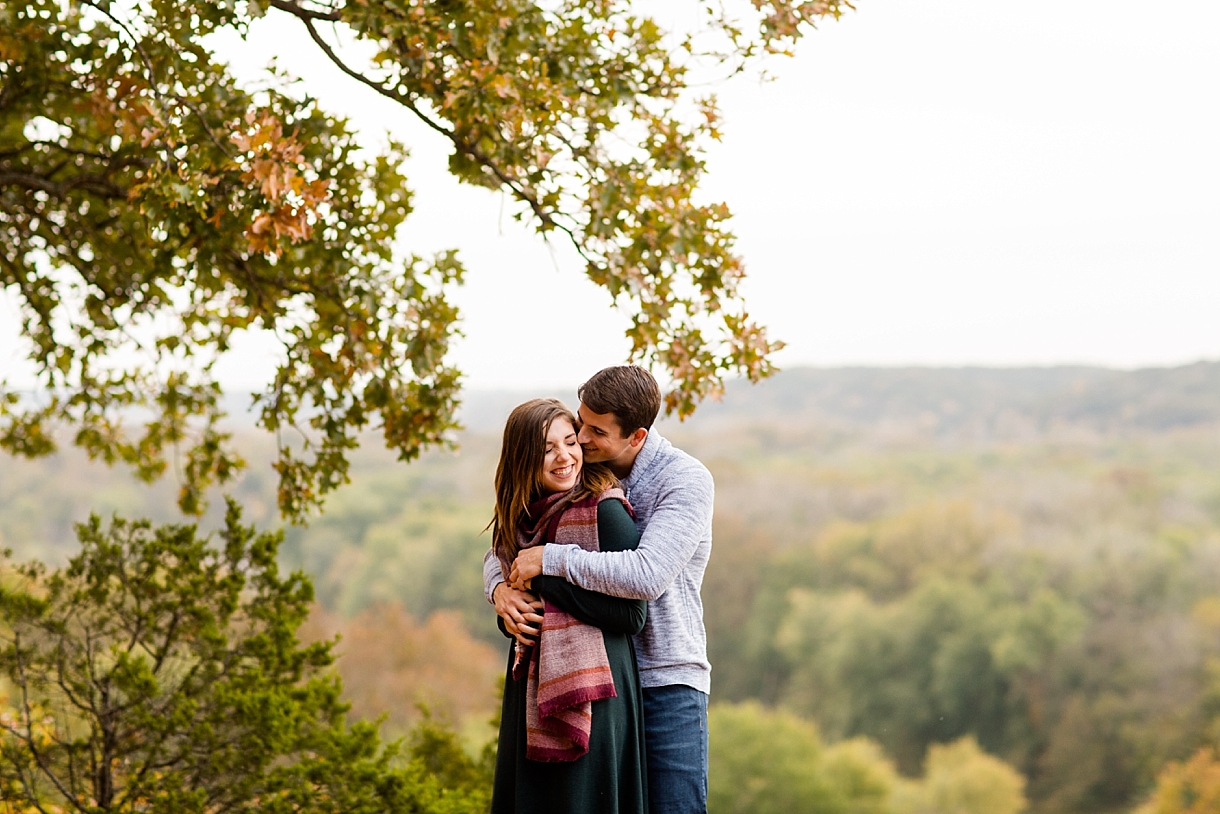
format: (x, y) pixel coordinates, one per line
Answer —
(937, 183)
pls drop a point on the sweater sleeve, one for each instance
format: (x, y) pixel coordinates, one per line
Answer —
(615, 532)
(680, 522)
(493, 574)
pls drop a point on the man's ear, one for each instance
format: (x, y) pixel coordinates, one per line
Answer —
(637, 437)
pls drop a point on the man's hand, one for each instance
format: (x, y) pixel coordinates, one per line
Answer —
(527, 566)
(521, 612)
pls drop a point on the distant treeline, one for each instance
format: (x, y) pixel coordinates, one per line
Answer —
(973, 402)
(980, 402)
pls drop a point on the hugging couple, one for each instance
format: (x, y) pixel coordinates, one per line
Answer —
(601, 534)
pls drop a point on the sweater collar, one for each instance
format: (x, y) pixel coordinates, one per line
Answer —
(653, 444)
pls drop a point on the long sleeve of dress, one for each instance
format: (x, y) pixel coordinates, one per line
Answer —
(615, 532)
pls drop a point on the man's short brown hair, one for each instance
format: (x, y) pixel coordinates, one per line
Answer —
(630, 392)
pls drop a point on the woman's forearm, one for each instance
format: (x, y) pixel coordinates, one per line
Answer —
(609, 613)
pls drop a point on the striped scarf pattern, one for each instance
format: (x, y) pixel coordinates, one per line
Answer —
(568, 669)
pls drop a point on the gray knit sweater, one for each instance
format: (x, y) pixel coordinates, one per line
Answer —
(672, 494)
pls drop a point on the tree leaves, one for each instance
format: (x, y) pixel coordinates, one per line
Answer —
(178, 210)
(275, 162)
(171, 208)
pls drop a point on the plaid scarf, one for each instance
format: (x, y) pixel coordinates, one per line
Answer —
(568, 669)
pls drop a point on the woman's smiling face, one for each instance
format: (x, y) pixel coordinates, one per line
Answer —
(563, 459)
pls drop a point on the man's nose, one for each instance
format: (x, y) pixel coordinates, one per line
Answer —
(584, 436)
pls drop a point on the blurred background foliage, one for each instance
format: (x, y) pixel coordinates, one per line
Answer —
(931, 590)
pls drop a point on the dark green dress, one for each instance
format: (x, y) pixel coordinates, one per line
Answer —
(612, 777)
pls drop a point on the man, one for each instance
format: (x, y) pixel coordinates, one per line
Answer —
(672, 494)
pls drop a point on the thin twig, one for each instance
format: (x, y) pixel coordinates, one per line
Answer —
(304, 13)
(28, 737)
(98, 185)
(409, 103)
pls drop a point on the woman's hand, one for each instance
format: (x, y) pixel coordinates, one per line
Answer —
(527, 566)
(521, 612)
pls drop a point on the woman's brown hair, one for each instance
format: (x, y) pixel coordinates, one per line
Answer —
(519, 473)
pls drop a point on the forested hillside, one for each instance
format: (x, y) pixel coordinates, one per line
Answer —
(982, 403)
(1028, 560)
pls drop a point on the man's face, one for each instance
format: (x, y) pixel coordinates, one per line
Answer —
(601, 437)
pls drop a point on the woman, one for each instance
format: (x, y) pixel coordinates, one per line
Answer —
(571, 731)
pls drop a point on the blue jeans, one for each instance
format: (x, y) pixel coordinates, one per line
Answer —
(675, 732)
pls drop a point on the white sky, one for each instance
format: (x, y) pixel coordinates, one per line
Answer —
(940, 183)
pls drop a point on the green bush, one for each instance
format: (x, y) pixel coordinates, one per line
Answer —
(160, 672)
